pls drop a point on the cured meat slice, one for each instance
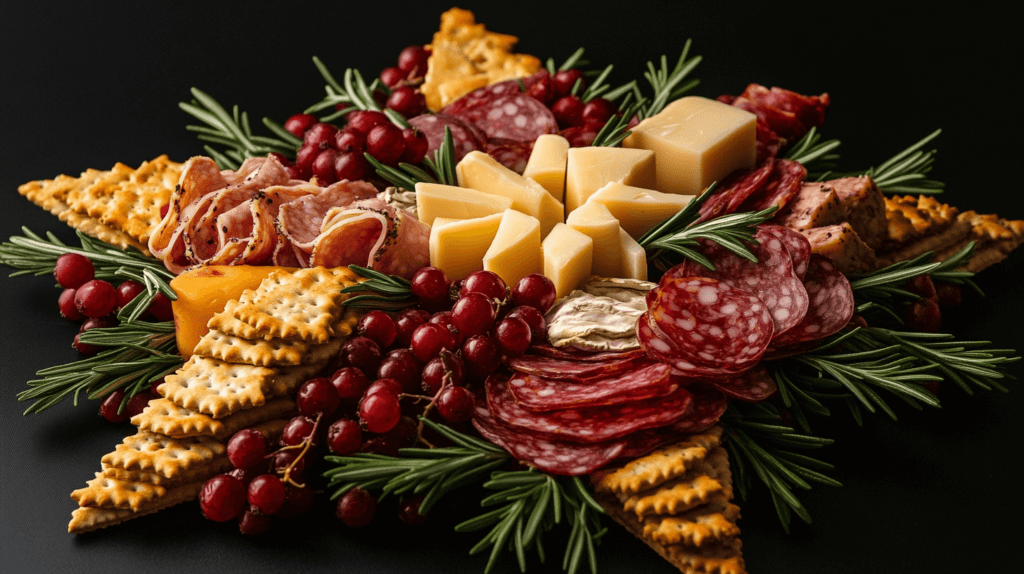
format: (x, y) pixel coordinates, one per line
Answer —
(552, 456)
(797, 245)
(372, 234)
(482, 96)
(586, 425)
(570, 369)
(509, 153)
(300, 220)
(544, 394)
(810, 110)
(753, 386)
(514, 116)
(772, 278)
(644, 442)
(782, 186)
(831, 304)
(710, 323)
(708, 406)
(659, 346)
(464, 136)
(784, 123)
(579, 355)
(735, 190)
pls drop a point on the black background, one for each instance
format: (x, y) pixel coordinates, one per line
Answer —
(87, 85)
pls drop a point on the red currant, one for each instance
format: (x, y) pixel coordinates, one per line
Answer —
(481, 355)
(320, 136)
(323, 167)
(392, 76)
(568, 111)
(388, 386)
(138, 403)
(298, 124)
(344, 437)
(455, 404)
(379, 327)
(473, 314)
(542, 91)
(362, 353)
(356, 508)
(110, 406)
(599, 111)
(349, 383)
(416, 145)
(564, 80)
(266, 492)
(534, 318)
(253, 523)
(534, 290)
(406, 322)
(513, 336)
(385, 143)
(66, 304)
(247, 448)
(365, 120)
(317, 396)
(160, 308)
(401, 365)
(407, 101)
(128, 291)
(297, 430)
(428, 340)
(352, 166)
(413, 60)
(486, 282)
(73, 270)
(409, 511)
(222, 498)
(380, 412)
(349, 139)
(95, 298)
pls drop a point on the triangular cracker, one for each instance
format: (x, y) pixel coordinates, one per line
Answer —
(105, 492)
(661, 465)
(86, 519)
(706, 524)
(203, 472)
(167, 456)
(164, 417)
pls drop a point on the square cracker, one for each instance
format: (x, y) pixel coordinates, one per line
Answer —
(106, 492)
(93, 200)
(169, 457)
(219, 345)
(217, 388)
(135, 205)
(86, 519)
(661, 465)
(164, 417)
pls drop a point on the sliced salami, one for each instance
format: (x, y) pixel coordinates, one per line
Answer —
(659, 346)
(831, 304)
(569, 369)
(797, 245)
(464, 136)
(589, 425)
(735, 189)
(514, 116)
(708, 406)
(545, 394)
(483, 96)
(511, 154)
(782, 186)
(552, 456)
(753, 386)
(573, 353)
(644, 442)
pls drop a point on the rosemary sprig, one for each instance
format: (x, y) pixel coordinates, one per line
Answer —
(883, 289)
(234, 132)
(668, 85)
(575, 60)
(406, 175)
(353, 93)
(907, 171)
(384, 291)
(616, 128)
(817, 156)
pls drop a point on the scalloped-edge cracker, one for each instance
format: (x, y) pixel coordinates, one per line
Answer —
(226, 323)
(270, 352)
(86, 519)
(164, 417)
(217, 388)
(199, 473)
(169, 457)
(104, 233)
(703, 525)
(51, 193)
(106, 492)
(707, 480)
(661, 465)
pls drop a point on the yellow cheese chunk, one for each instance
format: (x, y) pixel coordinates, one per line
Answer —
(457, 246)
(515, 251)
(436, 200)
(697, 141)
(547, 164)
(567, 257)
(639, 210)
(203, 292)
(591, 168)
(596, 222)
(481, 172)
(634, 258)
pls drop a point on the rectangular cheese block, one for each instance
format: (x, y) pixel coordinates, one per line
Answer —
(596, 222)
(634, 258)
(639, 210)
(567, 256)
(547, 164)
(697, 141)
(481, 172)
(515, 251)
(588, 169)
(436, 200)
(457, 246)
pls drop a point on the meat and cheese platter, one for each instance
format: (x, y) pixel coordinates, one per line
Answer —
(505, 295)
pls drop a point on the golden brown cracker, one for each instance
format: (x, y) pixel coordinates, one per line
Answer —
(703, 525)
(93, 200)
(164, 417)
(707, 480)
(226, 323)
(203, 472)
(260, 352)
(51, 194)
(135, 206)
(217, 388)
(104, 233)
(86, 519)
(661, 465)
(106, 492)
(169, 457)
(289, 379)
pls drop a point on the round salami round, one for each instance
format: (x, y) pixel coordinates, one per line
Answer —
(481, 96)
(464, 136)
(509, 153)
(586, 425)
(514, 116)
(753, 386)
(798, 246)
(658, 346)
(708, 406)
(543, 394)
(831, 304)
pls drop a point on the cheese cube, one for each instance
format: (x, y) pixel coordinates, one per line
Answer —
(482, 172)
(515, 251)
(567, 256)
(634, 258)
(595, 221)
(457, 246)
(639, 210)
(591, 168)
(697, 141)
(436, 200)
(547, 164)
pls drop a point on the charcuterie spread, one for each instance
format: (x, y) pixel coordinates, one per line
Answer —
(480, 267)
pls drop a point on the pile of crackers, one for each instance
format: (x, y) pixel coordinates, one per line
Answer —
(119, 206)
(244, 374)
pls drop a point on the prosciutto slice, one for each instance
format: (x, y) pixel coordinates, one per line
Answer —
(375, 235)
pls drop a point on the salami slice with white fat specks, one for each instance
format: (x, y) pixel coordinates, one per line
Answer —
(511, 154)
(708, 406)
(753, 386)
(589, 425)
(644, 442)
(569, 369)
(553, 456)
(831, 304)
(465, 138)
(482, 96)
(515, 116)
(796, 243)
(580, 355)
(772, 278)
(641, 383)
(659, 346)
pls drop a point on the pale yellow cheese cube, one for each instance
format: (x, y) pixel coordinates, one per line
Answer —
(567, 257)
(588, 169)
(696, 141)
(457, 246)
(515, 251)
(639, 210)
(436, 200)
(634, 258)
(596, 222)
(546, 165)
(482, 172)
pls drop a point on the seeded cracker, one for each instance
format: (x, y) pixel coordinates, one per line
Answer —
(661, 465)
(217, 388)
(164, 417)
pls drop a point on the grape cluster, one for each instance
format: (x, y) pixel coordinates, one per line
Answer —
(580, 121)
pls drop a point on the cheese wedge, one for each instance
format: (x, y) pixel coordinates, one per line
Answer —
(639, 210)
(458, 246)
(588, 169)
(481, 172)
(697, 141)
(436, 200)
(634, 258)
(515, 251)
(547, 164)
(567, 257)
(596, 222)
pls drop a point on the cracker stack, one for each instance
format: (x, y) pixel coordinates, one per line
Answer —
(120, 206)
(244, 374)
(677, 501)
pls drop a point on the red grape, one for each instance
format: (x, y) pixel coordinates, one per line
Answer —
(392, 76)
(564, 80)
(110, 405)
(320, 136)
(66, 304)
(401, 365)
(297, 430)
(349, 139)
(428, 340)
(486, 282)
(416, 145)
(568, 111)
(481, 355)
(513, 336)
(533, 318)
(406, 322)
(430, 286)
(356, 508)
(222, 498)
(379, 327)
(455, 404)
(128, 291)
(95, 298)
(409, 511)
(473, 314)
(385, 143)
(351, 166)
(534, 290)
(254, 523)
(317, 396)
(266, 492)
(349, 383)
(362, 353)
(73, 270)
(247, 448)
(407, 101)
(599, 111)
(364, 120)
(380, 412)
(344, 437)
(299, 123)
(323, 167)
(413, 60)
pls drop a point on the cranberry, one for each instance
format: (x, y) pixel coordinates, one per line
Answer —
(110, 406)
(473, 314)
(406, 322)
(349, 139)
(356, 508)
(104, 322)
(222, 498)
(949, 295)
(428, 340)
(364, 120)
(568, 111)
(320, 136)
(297, 500)
(362, 353)
(323, 167)
(304, 158)
(923, 316)
(155, 386)
(564, 80)
(378, 326)
(128, 291)
(409, 511)
(543, 91)
(66, 304)
(349, 383)
(407, 101)
(401, 365)
(298, 124)
(599, 111)
(416, 145)
(254, 523)
(344, 437)
(290, 458)
(481, 355)
(389, 386)
(444, 319)
(455, 404)
(317, 396)
(247, 474)
(138, 403)
(922, 286)
(534, 290)
(266, 492)
(95, 298)
(430, 286)
(247, 448)
(160, 308)
(297, 430)
(385, 143)
(73, 270)
(85, 349)
(513, 336)
(392, 76)
(296, 173)
(413, 60)
(380, 412)
(533, 318)
(352, 166)
(486, 282)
